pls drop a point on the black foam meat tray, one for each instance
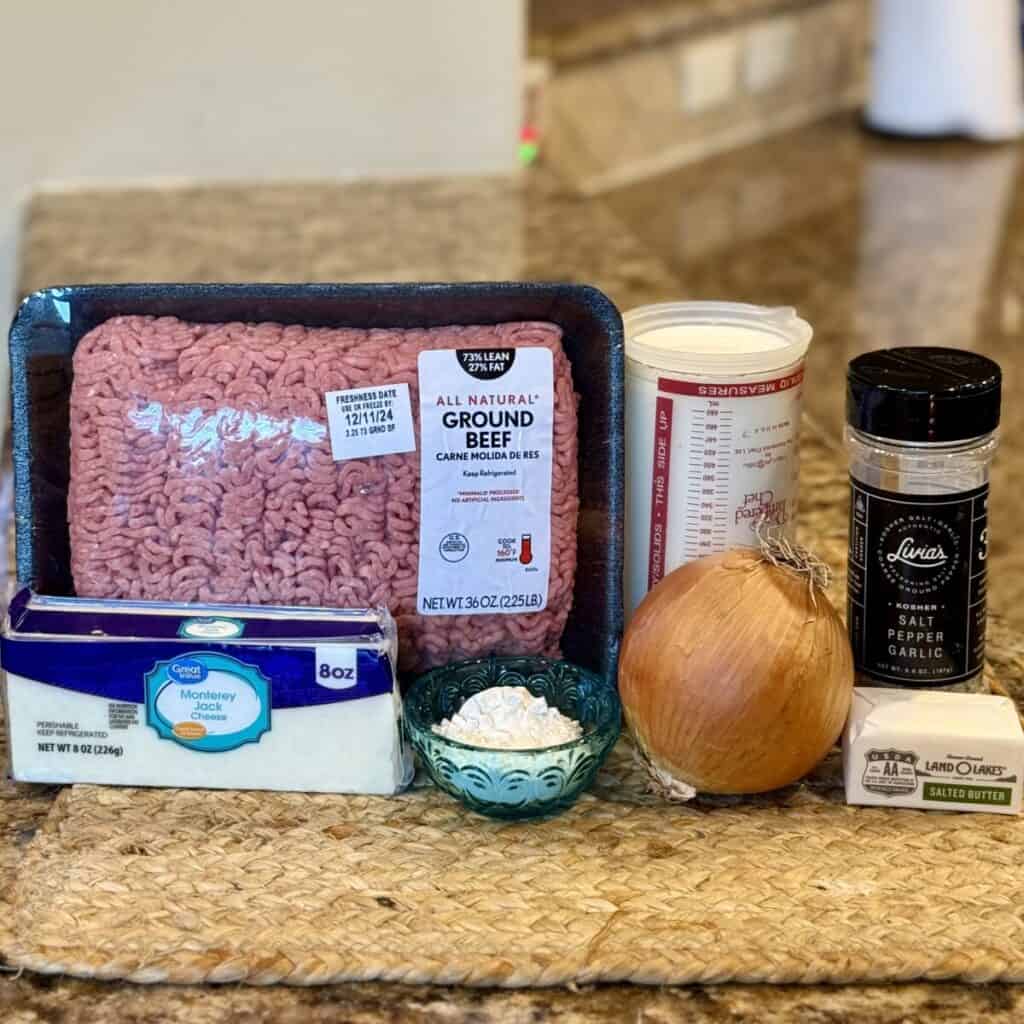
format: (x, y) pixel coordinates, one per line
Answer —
(50, 323)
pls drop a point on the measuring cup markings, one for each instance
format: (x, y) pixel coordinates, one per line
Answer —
(729, 376)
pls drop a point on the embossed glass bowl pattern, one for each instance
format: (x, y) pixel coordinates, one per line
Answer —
(514, 784)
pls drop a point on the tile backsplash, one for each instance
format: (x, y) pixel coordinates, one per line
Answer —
(729, 73)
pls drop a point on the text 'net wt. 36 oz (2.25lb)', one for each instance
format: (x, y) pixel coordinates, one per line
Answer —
(202, 470)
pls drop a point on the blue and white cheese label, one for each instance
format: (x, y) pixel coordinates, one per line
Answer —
(207, 701)
(486, 427)
(364, 422)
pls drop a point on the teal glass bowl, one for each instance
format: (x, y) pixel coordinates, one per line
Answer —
(514, 784)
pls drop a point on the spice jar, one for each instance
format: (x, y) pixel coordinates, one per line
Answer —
(921, 433)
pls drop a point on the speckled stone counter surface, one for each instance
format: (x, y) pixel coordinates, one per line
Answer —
(875, 242)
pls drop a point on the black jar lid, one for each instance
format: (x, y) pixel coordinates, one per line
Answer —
(923, 394)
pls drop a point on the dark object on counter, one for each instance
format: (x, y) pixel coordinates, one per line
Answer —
(514, 784)
(923, 395)
(921, 433)
(50, 323)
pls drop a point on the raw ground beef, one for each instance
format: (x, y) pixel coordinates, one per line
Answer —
(201, 470)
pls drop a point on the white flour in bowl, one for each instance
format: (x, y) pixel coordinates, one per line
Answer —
(509, 718)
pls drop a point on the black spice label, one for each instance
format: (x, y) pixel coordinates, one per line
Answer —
(916, 587)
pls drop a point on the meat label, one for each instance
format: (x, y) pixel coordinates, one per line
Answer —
(370, 421)
(486, 429)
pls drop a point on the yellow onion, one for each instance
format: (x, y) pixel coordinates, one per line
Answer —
(736, 674)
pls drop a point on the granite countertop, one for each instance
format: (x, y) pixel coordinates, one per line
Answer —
(844, 227)
(877, 243)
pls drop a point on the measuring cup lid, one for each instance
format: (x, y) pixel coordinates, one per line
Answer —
(715, 337)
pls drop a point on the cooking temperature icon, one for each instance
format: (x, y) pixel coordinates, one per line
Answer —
(526, 549)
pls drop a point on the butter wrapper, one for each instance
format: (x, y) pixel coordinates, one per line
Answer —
(933, 750)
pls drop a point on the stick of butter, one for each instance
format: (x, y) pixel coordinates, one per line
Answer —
(933, 750)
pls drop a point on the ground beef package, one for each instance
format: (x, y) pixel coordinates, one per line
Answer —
(271, 464)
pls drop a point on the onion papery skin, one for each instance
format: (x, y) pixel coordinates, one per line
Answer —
(735, 676)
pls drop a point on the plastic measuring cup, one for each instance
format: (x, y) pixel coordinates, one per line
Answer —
(713, 400)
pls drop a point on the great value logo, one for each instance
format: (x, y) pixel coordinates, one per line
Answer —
(186, 670)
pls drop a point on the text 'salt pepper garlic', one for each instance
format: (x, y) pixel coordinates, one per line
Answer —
(921, 433)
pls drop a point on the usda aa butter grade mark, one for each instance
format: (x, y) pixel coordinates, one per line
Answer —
(921, 435)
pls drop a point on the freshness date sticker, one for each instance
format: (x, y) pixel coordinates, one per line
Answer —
(364, 422)
(486, 428)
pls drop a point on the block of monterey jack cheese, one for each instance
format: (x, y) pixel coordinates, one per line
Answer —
(145, 693)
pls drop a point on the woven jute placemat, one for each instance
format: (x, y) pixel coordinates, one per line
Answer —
(190, 886)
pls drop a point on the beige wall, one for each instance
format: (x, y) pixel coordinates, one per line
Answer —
(97, 91)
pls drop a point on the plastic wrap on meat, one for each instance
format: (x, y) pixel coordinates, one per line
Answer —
(201, 470)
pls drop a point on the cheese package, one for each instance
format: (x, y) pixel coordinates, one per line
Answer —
(143, 693)
(934, 750)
